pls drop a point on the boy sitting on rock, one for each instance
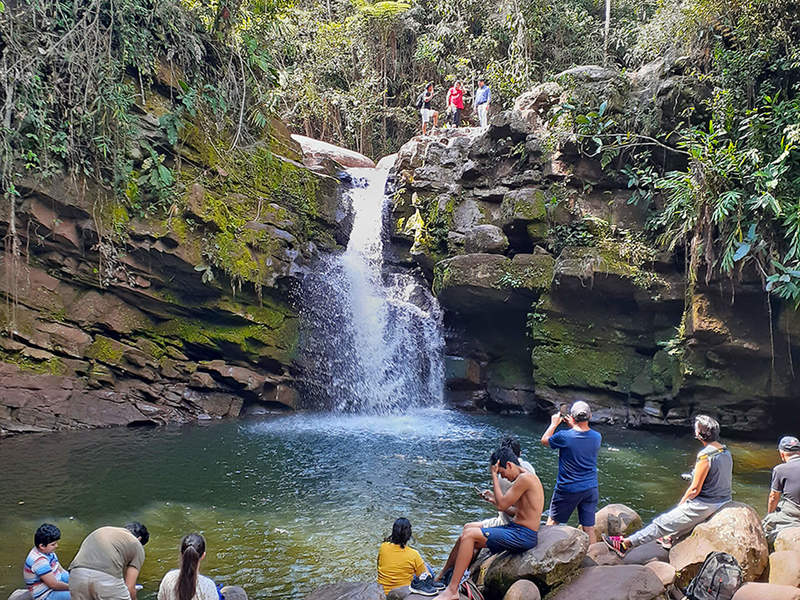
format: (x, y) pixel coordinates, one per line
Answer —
(42, 573)
(519, 535)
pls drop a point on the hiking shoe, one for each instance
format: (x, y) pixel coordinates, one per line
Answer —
(615, 544)
(446, 577)
(424, 586)
(431, 576)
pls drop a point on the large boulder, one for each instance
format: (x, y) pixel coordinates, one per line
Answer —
(625, 582)
(523, 590)
(766, 591)
(554, 560)
(735, 529)
(485, 238)
(472, 283)
(788, 539)
(784, 568)
(315, 151)
(617, 519)
(348, 590)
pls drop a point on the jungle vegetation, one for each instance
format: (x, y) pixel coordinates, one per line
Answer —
(74, 75)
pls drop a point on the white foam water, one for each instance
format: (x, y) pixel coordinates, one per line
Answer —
(371, 339)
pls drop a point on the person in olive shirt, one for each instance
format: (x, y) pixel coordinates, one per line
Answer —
(783, 504)
(108, 563)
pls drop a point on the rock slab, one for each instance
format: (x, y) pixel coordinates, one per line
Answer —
(348, 590)
(316, 150)
(625, 582)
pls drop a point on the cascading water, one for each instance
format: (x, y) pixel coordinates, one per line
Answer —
(371, 338)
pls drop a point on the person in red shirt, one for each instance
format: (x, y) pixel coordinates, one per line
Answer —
(455, 102)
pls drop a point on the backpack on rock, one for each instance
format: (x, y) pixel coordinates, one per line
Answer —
(718, 578)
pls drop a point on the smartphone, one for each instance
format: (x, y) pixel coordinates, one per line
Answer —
(564, 410)
(479, 490)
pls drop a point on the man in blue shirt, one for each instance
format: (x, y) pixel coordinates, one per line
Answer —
(483, 96)
(576, 485)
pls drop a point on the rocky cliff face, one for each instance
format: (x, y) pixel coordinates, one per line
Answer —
(117, 316)
(552, 291)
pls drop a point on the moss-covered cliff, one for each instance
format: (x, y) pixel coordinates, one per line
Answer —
(116, 315)
(555, 290)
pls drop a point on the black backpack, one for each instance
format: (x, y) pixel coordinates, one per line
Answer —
(718, 578)
(420, 100)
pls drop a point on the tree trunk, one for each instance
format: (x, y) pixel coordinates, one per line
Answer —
(605, 32)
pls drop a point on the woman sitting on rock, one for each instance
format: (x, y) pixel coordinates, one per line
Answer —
(186, 583)
(397, 562)
(709, 491)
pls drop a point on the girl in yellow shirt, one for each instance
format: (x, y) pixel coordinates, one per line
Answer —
(397, 562)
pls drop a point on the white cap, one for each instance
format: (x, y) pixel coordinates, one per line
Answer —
(580, 411)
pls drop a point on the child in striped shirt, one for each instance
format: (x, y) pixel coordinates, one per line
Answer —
(42, 573)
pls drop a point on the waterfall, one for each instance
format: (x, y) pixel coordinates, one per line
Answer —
(371, 338)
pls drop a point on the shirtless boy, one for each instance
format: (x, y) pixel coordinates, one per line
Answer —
(525, 494)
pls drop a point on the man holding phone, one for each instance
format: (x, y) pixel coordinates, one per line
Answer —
(576, 484)
(504, 517)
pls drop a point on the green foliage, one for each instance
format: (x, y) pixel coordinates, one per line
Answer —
(78, 77)
(575, 233)
(351, 76)
(727, 176)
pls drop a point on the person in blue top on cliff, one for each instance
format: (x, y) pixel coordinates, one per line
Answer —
(483, 95)
(576, 485)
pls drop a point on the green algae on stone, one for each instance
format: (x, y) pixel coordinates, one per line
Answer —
(251, 340)
(50, 365)
(105, 350)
